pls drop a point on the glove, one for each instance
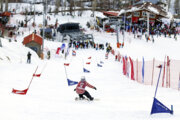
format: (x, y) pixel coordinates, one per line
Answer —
(95, 88)
(75, 89)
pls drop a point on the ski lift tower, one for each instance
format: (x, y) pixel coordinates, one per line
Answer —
(44, 18)
(124, 27)
(147, 13)
(34, 16)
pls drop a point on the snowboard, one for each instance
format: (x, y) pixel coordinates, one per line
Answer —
(86, 99)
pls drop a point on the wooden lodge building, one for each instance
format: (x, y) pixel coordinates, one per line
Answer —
(137, 13)
(34, 42)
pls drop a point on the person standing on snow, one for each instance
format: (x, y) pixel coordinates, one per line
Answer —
(80, 89)
(29, 57)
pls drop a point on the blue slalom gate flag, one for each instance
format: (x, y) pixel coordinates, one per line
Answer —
(86, 71)
(101, 62)
(99, 65)
(70, 82)
(158, 107)
(63, 46)
(143, 71)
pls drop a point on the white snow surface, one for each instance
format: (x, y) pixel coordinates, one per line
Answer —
(50, 98)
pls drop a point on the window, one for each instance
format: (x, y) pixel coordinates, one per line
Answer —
(136, 14)
(152, 16)
(144, 14)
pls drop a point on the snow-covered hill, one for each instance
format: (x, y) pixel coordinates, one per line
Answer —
(15, 52)
(50, 98)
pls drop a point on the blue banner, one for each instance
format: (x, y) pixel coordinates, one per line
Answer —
(63, 46)
(158, 107)
(143, 71)
(86, 71)
(101, 62)
(99, 65)
(70, 82)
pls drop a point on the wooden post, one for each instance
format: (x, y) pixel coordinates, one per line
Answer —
(153, 71)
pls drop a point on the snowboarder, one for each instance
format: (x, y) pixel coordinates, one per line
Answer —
(80, 89)
(29, 57)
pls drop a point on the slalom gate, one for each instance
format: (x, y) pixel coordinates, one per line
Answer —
(145, 72)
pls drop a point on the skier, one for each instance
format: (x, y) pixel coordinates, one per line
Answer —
(29, 57)
(80, 89)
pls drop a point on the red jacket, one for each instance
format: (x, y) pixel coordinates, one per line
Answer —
(80, 88)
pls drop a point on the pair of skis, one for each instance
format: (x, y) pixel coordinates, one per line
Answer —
(86, 99)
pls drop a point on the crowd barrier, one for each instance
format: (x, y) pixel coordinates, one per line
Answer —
(146, 71)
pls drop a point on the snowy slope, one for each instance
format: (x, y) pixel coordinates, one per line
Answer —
(50, 98)
(15, 52)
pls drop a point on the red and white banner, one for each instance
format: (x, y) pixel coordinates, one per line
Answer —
(21, 92)
(66, 64)
(132, 69)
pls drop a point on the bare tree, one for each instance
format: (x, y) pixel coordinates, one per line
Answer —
(63, 7)
(82, 8)
(177, 7)
(94, 7)
(6, 5)
(71, 7)
(168, 2)
(57, 6)
(1, 5)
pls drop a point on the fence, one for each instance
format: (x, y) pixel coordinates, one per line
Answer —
(146, 72)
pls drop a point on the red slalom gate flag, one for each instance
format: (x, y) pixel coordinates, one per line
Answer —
(36, 75)
(88, 63)
(132, 69)
(124, 66)
(57, 51)
(89, 57)
(21, 92)
(66, 64)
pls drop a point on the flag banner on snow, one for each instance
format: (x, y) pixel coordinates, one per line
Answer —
(36, 75)
(158, 107)
(73, 53)
(124, 66)
(70, 82)
(160, 66)
(86, 71)
(89, 57)
(57, 51)
(66, 64)
(99, 65)
(143, 71)
(63, 46)
(21, 92)
(101, 62)
(88, 63)
(132, 69)
(164, 72)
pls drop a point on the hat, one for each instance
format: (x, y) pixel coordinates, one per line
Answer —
(83, 78)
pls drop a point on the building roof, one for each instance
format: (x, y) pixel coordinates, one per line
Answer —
(6, 14)
(146, 6)
(32, 37)
(152, 1)
(111, 13)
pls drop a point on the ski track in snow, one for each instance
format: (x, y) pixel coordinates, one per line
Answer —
(49, 96)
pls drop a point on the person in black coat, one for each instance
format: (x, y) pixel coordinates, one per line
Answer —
(29, 57)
